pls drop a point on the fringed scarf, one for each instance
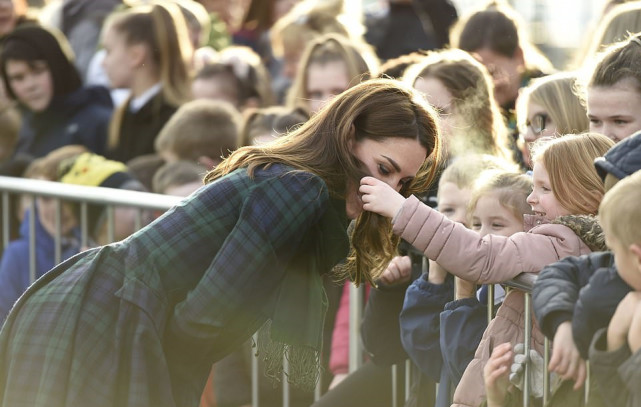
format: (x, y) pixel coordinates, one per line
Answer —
(295, 330)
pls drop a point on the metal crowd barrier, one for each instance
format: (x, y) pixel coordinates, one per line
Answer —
(143, 201)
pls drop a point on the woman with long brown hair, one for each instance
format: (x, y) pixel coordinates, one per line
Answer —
(140, 322)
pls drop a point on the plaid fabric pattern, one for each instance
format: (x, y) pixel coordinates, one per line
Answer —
(139, 322)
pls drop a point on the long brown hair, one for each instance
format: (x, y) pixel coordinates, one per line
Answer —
(377, 109)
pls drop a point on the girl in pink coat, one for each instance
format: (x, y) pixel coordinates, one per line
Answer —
(565, 185)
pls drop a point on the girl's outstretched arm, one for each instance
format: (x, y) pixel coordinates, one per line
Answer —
(379, 197)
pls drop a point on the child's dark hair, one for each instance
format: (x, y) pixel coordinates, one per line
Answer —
(277, 120)
(497, 27)
(32, 43)
(618, 62)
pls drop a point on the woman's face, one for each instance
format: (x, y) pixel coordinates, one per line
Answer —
(324, 81)
(31, 82)
(538, 124)
(615, 111)
(118, 59)
(452, 201)
(393, 160)
(437, 95)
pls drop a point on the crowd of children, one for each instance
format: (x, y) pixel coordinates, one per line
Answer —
(537, 172)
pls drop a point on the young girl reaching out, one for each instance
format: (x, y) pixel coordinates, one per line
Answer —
(439, 334)
(565, 183)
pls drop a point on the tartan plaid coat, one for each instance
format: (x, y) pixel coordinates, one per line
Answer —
(140, 322)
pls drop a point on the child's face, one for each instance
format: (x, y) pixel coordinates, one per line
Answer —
(452, 202)
(626, 261)
(31, 83)
(615, 111)
(437, 95)
(47, 216)
(542, 199)
(491, 218)
(324, 81)
(118, 59)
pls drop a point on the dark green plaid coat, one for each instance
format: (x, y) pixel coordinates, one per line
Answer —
(140, 322)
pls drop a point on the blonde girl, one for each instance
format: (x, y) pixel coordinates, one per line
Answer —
(460, 88)
(330, 65)
(305, 22)
(547, 107)
(147, 51)
(565, 183)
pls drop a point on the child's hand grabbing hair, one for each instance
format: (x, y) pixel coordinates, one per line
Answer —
(379, 197)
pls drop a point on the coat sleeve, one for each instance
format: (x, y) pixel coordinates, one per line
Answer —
(462, 325)
(596, 305)
(488, 259)
(420, 323)
(230, 298)
(380, 330)
(556, 290)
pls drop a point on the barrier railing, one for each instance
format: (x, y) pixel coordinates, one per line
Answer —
(142, 201)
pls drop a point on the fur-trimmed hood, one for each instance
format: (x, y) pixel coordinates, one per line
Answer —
(586, 227)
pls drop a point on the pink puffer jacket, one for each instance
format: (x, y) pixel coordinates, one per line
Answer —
(491, 259)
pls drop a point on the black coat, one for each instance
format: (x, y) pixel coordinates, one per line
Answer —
(80, 117)
(597, 302)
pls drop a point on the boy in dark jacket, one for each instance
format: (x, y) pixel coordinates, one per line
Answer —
(615, 353)
(576, 296)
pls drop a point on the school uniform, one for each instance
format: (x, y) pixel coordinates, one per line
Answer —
(140, 322)
(142, 120)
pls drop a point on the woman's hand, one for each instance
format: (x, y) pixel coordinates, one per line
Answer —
(378, 197)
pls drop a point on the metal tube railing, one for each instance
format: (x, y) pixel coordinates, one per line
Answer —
(80, 193)
(112, 198)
